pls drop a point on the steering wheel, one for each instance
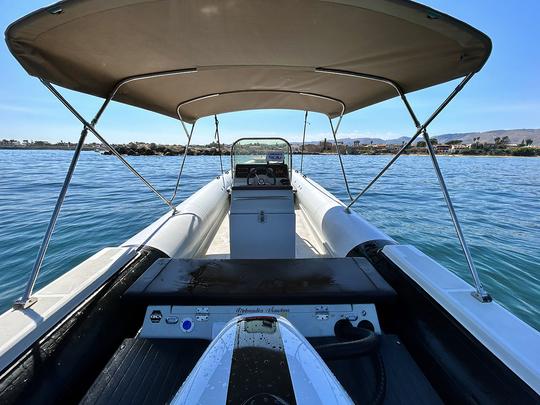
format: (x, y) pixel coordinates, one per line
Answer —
(265, 398)
(268, 172)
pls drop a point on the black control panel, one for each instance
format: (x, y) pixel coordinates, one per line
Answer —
(280, 170)
(261, 175)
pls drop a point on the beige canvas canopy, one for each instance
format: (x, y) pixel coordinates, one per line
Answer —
(230, 55)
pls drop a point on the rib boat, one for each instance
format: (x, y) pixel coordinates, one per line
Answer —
(262, 287)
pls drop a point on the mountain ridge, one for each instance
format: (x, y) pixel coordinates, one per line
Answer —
(516, 136)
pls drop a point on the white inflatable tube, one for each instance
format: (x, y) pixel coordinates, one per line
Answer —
(184, 233)
(339, 230)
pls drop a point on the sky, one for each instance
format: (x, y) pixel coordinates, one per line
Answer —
(504, 95)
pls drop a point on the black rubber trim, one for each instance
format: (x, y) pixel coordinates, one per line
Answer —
(371, 250)
(61, 366)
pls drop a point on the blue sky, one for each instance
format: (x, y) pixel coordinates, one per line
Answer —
(504, 95)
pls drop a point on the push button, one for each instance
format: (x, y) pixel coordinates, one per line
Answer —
(187, 324)
(171, 320)
(155, 316)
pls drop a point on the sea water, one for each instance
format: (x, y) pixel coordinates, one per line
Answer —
(497, 201)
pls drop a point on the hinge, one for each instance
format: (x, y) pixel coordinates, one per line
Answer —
(322, 313)
(202, 314)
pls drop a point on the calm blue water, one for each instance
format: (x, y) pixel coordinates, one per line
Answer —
(497, 200)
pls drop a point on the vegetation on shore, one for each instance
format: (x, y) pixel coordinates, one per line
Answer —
(149, 149)
(501, 147)
(130, 149)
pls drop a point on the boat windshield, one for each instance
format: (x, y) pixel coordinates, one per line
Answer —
(261, 150)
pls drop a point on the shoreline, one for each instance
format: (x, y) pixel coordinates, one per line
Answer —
(93, 149)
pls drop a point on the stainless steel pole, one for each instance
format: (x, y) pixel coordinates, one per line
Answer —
(189, 135)
(480, 292)
(27, 300)
(334, 132)
(303, 143)
(91, 128)
(216, 122)
(419, 130)
(131, 79)
(390, 163)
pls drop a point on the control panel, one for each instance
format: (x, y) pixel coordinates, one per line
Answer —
(205, 322)
(279, 169)
(261, 175)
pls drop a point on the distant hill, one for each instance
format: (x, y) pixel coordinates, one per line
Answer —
(515, 135)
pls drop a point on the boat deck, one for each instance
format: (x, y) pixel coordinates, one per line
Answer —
(308, 244)
(150, 371)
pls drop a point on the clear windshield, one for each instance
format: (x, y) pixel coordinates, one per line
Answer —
(261, 150)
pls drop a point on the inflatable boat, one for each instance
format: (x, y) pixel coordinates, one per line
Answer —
(262, 287)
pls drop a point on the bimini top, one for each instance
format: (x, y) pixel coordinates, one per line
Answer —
(231, 55)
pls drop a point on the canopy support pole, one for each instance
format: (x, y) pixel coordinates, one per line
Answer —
(480, 293)
(91, 128)
(189, 134)
(303, 143)
(27, 300)
(334, 133)
(419, 130)
(216, 136)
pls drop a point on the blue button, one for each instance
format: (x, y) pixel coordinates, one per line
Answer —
(187, 324)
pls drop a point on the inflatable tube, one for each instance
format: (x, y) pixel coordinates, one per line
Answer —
(184, 233)
(340, 230)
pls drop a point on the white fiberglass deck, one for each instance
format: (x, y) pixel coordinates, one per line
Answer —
(307, 242)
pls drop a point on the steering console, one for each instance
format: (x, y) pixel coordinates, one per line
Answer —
(254, 172)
